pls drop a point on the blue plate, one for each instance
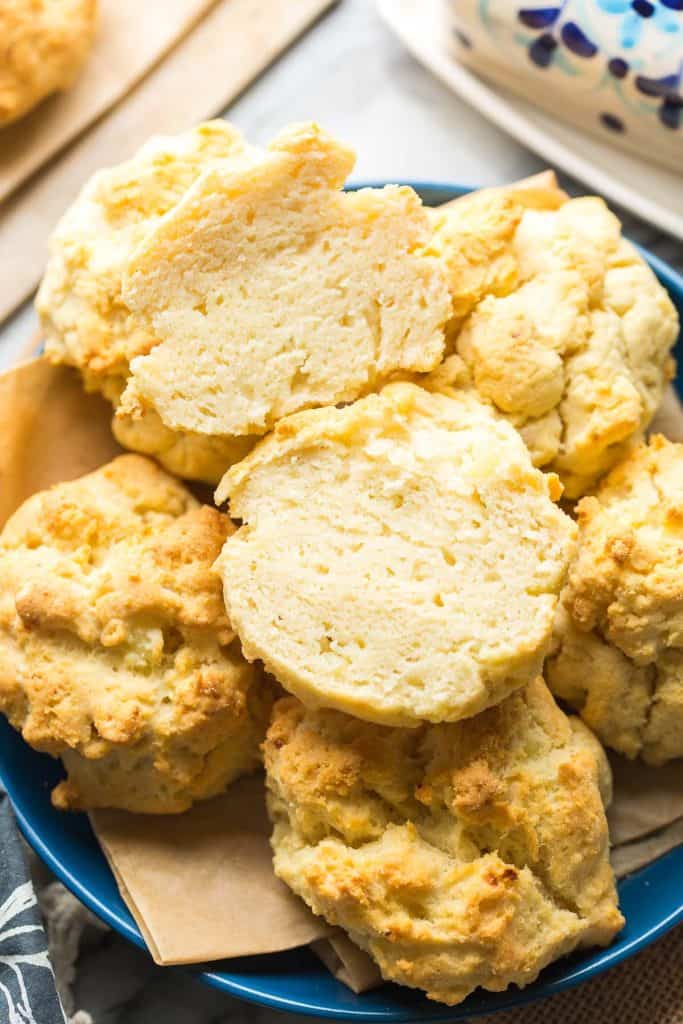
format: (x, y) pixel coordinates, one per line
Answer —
(651, 899)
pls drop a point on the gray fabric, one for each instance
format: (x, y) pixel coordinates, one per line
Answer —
(27, 988)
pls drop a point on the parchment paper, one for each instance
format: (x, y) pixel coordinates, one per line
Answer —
(200, 885)
(210, 868)
(49, 431)
(131, 38)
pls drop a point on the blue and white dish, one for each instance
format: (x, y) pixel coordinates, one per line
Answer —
(612, 67)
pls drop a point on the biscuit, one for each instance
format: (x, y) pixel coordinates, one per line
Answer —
(618, 655)
(115, 651)
(274, 291)
(43, 45)
(458, 855)
(187, 454)
(559, 323)
(474, 236)
(399, 559)
(82, 313)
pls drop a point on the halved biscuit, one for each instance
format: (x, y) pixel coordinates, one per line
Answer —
(399, 559)
(273, 291)
(85, 319)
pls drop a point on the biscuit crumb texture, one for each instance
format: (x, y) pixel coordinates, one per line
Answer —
(557, 322)
(274, 291)
(84, 318)
(43, 45)
(400, 559)
(458, 855)
(618, 655)
(115, 651)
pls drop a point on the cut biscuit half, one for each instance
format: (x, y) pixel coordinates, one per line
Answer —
(399, 559)
(272, 290)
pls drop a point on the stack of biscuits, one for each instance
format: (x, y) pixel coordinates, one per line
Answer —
(427, 430)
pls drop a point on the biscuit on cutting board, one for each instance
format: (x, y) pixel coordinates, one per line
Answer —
(399, 559)
(459, 855)
(618, 655)
(43, 45)
(115, 651)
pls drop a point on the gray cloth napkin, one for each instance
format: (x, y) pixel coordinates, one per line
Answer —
(27, 985)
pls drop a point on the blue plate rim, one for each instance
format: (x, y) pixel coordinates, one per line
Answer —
(608, 958)
(517, 997)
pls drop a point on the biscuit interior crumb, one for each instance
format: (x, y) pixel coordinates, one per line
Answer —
(399, 559)
(273, 291)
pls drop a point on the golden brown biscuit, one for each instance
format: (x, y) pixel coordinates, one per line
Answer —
(474, 236)
(43, 44)
(272, 290)
(619, 638)
(82, 312)
(458, 856)
(399, 559)
(558, 322)
(185, 453)
(115, 651)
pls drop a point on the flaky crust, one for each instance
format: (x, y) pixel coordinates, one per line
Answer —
(273, 291)
(619, 639)
(43, 45)
(558, 322)
(458, 856)
(115, 650)
(80, 303)
(400, 559)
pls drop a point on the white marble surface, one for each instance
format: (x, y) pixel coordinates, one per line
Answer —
(350, 74)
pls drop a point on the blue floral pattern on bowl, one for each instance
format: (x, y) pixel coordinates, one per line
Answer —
(614, 67)
(637, 16)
